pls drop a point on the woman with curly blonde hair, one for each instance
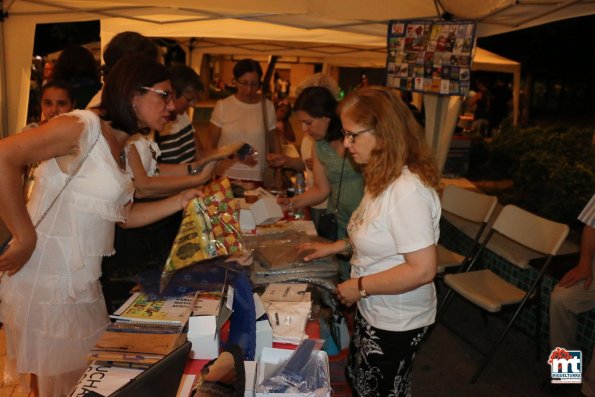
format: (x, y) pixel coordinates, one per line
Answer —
(393, 235)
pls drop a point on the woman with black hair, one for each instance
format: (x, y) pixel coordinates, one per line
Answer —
(316, 109)
(52, 308)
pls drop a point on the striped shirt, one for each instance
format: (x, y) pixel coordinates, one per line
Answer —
(177, 142)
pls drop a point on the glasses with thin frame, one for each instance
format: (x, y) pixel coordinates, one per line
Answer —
(251, 84)
(350, 136)
(167, 96)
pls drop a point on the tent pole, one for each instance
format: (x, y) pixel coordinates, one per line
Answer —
(3, 89)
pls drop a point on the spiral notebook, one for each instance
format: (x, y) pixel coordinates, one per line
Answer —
(139, 308)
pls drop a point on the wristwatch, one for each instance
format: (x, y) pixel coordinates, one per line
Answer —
(362, 291)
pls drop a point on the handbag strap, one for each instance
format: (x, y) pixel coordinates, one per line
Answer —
(340, 181)
(67, 182)
(263, 105)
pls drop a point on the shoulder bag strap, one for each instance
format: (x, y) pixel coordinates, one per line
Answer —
(5, 243)
(67, 182)
(340, 182)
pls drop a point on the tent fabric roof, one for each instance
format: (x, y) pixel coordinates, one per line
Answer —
(338, 26)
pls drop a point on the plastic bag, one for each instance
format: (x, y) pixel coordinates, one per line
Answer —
(209, 229)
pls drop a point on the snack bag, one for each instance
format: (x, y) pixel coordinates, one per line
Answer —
(209, 228)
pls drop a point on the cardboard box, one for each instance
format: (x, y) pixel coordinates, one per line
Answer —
(264, 337)
(204, 335)
(271, 356)
(250, 370)
(247, 224)
(266, 211)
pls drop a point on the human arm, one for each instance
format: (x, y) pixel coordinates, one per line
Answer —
(166, 183)
(418, 269)
(317, 250)
(142, 214)
(279, 160)
(58, 138)
(583, 270)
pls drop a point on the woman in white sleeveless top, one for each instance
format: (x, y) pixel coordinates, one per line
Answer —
(52, 304)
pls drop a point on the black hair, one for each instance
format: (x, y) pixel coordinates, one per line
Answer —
(127, 43)
(76, 62)
(320, 102)
(124, 81)
(247, 66)
(61, 85)
(184, 77)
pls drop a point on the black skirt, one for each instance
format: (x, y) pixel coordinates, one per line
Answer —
(380, 362)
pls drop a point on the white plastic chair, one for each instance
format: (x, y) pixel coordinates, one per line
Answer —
(489, 291)
(470, 206)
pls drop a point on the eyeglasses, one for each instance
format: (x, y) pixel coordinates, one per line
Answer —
(350, 136)
(251, 84)
(167, 96)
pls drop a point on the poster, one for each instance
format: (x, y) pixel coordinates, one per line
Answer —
(429, 56)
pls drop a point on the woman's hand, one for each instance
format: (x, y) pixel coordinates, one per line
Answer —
(16, 255)
(348, 292)
(230, 150)
(188, 195)
(276, 160)
(316, 250)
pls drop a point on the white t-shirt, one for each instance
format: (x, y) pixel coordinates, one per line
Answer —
(402, 219)
(241, 121)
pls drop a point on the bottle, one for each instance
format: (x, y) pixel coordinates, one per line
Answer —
(299, 188)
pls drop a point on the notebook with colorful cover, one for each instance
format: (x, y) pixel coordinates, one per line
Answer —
(139, 308)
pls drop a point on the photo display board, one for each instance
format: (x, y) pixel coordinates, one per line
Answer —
(430, 56)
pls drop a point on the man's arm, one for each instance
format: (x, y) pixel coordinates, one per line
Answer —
(582, 271)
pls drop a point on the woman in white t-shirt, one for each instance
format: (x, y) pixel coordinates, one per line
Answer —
(393, 235)
(240, 117)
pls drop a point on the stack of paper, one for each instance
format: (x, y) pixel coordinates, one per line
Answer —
(288, 308)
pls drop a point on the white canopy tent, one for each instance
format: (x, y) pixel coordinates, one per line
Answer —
(345, 30)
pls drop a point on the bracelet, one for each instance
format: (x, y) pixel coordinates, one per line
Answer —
(192, 171)
(362, 291)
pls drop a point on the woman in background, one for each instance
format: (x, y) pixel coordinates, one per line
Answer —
(316, 108)
(240, 117)
(393, 235)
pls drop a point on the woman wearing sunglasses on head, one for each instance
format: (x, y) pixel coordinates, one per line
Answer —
(393, 235)
(241, 117)
(52, 307)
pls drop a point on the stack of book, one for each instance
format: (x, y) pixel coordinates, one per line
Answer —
(145, 330)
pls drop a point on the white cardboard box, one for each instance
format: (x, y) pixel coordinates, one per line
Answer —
(271, 355)
(204, 335)
(247, 224)
(250, 371)
(264, 337)
(266, 211)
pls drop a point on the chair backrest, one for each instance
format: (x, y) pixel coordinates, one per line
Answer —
(530, 230)
(466, 204)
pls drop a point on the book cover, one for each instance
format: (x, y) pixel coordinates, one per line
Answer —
(135, 347)
(139, 308)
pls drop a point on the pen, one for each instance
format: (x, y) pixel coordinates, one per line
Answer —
(276, 318)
